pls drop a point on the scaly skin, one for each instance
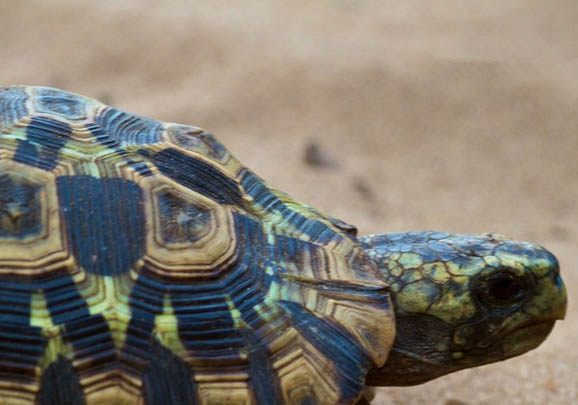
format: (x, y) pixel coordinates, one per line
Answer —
(463, 301)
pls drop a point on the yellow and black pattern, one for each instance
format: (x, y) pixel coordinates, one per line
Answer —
(140, 263)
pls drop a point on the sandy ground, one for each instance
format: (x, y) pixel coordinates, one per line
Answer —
(448, 115)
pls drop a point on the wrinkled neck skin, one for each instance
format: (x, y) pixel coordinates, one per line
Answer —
(416, 359)
(463, 301)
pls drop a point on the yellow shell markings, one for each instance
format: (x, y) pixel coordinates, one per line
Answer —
(268, 309)
(166, 329)
(108, 296)
(78, 157)
(236, 315)
(55, 347)
(12, 135)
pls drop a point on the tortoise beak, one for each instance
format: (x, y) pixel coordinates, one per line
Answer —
(560, 311)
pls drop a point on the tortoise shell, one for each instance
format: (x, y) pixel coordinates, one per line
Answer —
(141, 263)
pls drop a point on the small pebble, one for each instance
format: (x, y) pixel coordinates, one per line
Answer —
(315, 156)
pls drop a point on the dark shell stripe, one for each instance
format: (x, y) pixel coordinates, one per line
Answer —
(119, 128)
(168, 380)
(94, 209)
(60, 385)
(44, 139)
(141, 263)
(196, 175)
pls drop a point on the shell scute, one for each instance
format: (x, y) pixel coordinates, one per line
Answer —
(58, 102)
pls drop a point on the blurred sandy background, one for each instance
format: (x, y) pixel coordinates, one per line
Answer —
(448, 115)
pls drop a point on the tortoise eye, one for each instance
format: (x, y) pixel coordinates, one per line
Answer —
(502, 288)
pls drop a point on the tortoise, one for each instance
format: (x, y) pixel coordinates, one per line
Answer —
(141, 263)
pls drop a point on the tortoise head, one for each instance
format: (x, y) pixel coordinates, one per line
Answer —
(462, 301)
